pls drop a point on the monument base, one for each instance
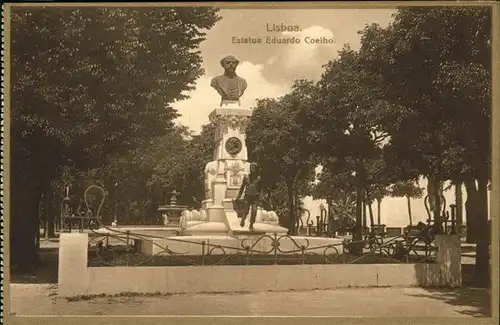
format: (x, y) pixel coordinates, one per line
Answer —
(230, 110)
(211, 228)
(216, 225)
(259, 226)
(231, 123)
(147, 231)
(230, 225)
(223, 245)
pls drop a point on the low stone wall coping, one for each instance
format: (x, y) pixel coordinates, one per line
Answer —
(75, 278)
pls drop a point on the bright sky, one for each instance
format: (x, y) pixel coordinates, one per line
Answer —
(270, 69)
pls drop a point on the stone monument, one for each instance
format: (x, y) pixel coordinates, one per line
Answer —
(216, 223)
(229, 85)
(224, 175)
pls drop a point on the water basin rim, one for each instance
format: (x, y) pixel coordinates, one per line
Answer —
(172, 207)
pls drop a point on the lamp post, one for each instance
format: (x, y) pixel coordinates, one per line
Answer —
(322, 219)
(322, 212)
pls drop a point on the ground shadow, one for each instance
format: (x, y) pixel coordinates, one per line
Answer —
(478, 300)
(44, 272)
(474, 301)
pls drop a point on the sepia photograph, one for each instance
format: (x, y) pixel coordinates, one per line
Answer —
(209, 160)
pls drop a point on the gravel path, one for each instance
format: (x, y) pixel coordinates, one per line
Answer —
(41, 299)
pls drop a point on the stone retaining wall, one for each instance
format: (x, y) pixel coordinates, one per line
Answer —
(75, 278)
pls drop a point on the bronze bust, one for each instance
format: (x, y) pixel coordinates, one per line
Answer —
(229, 85)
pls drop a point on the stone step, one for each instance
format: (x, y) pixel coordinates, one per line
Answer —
(246, 232)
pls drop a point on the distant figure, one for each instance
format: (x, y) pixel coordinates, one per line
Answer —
(114, 223)
(251, 185)
(229, 85)
(196, 205)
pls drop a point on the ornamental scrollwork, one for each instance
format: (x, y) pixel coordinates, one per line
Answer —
(235, 122)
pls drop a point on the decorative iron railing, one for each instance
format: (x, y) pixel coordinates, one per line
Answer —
(449, 224)
(328, 226)
(115, 247)
(123, 248)
(84, 214)
(325, 226)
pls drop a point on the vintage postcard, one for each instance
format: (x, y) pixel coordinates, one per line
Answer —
(251, 160)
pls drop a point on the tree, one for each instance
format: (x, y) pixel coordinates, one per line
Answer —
(409, 190)
(379, 192)
(457, 189)
(437, 65)
(380, 175)
(338, 188)
(279, 136)
(88, 83)
(337, 180)
(184, 169)
(350, 113)
(200, 152)
(137, 180)
(143, 178)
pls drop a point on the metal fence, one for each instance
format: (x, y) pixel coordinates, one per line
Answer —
(122, 248)
(325, 226)
(115, 247)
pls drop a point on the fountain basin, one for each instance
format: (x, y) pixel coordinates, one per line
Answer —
(224, 245)
(147, 231)
(172, 213)
(165, 241)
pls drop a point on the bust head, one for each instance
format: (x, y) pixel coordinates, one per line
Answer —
(229, 63)
(229, 85)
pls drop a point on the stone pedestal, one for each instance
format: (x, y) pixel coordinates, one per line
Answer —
(224, 175)
(231, 122)
(449, 258)
(72, 269)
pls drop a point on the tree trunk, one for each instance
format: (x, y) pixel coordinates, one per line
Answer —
(434, 191)
(30, 171)
(115, 214)
(291, 205)
(57, 213)
(41, 221)
(460, 204)
(51, 224)
(471, 211)
(38, 221)
(365, 205)
(379, 218)
(369, 202)
(24, 224)
(332, 229)
(482, 270)
(360, 199)
(329, 204)
(408, 202)
(48, 213)
(370, 211)
(298, 212)
(270, 200)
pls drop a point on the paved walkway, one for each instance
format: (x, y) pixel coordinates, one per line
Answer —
(41, 299)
